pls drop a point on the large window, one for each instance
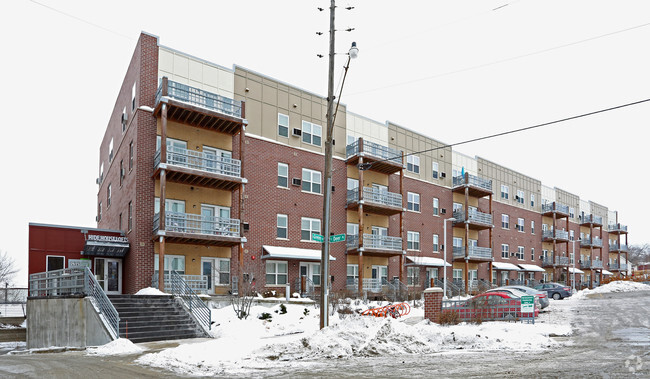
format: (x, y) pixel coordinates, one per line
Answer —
(283, 125)
(520, 197)
(435, 242)
(311, 271)
(505, 221)
(54, 262)
(172, 262)
(520, 224)
(222, 276)
(504, 192)
(436, 206)
(282, 226)
(457, 274)
(413, 163)
(283, 175)
(311, 180)
(352, 274)
(311, 133)
(505, 250)
(413, 240)
(520, 252)
(307, 227)
(413, 203)
(276, 272)
(435, 170)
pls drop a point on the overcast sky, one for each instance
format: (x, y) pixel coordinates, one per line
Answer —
(452, 70)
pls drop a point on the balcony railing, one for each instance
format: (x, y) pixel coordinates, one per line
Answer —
(559, 235)
(555, 207)
(199, 160)
(201, 98)
(473, 216)
(373, 241)
(597, 242)
(198, 283)
(617, 247)
(592, 219)
(591, 264)
(617, 228)
(617, 266)
(376, 196)
(473, 181)
(559, 261)
(476, 252)
(376, 150)
(198, 224)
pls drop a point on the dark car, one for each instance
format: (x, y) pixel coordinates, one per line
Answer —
(555, 290)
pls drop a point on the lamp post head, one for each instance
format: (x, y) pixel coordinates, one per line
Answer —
(354, 51)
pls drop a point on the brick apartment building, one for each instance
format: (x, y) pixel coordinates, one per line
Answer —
(219, 171)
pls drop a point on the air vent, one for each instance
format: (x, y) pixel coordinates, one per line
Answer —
(296, 132)
(443, 211)
(246, 227)
(296, 181)
(443, 175)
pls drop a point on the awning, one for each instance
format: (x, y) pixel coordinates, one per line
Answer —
(106, 249)
(605, 272)
(426, 261)
(505, 266)
(278, 252)
(575, 270)
(534, 268)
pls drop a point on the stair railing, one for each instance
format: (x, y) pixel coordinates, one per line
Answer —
(104, 306)
(196, 306)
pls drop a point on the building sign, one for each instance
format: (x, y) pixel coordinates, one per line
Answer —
(79, 263)
(527, 304)
(106, 246)
(94, 237)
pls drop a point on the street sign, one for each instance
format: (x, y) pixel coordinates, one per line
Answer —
(527, 304)
(337, 238)
(317, 237)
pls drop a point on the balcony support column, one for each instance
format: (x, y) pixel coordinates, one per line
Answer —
(401, 222)
(163, 195)
(466, 274)
(161, 264)
(242, 145)
(360, 284)
(360, 210)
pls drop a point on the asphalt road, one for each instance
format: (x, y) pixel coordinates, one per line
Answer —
(611, 339)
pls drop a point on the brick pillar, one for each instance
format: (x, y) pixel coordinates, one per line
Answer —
(433, 304)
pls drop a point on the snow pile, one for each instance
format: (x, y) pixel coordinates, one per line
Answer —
(150, 291)
(120, 346)
(616, 286)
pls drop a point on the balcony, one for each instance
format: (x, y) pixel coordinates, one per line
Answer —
(591, 242)
(559, 261)
(591, 264)
(615, 247)
(560, 210)
(476, 186)
(383, 158)
(200, 169)
(617, 229)
(198, 283)
(560, 236)
(203, 109)
(197, 229)
(375, 201)
(618, 267)
(476, 220)
(375, 244)
(592, 220)
(475, 253)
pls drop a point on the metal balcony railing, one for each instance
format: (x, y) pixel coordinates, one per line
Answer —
(473, 181)
(555, 207)
(474, 252)
(597, 242)
(376, 150)
(591, 264)
(375, 196)
(559, 235)
(198, 224)
(562, 261)
(592, 219)
(199, 160)
(373, 241)
(201, 98)
(473, 216)
(617, 247)
(618, 266)
(617, 227)
(198, 283)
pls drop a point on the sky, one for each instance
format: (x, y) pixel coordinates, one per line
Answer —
(451, 70)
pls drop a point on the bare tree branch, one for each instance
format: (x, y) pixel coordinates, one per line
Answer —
(7, 268)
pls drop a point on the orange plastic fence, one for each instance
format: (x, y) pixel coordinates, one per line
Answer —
(393, 310)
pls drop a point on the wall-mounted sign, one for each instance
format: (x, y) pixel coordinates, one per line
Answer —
(94, 237)
(78, 263)
(106, 246)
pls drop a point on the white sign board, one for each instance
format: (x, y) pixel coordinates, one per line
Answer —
(527, 304)
(78, 263)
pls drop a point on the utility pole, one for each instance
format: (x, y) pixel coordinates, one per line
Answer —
(327, 198)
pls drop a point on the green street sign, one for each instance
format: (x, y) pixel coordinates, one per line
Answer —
(527, 304)
(317, 237)
(337, 238)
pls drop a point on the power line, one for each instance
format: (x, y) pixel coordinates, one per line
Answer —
(365, 166)
(471, 68)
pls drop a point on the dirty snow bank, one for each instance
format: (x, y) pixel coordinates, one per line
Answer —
(150, 291)
(120, 346)
(617, 286)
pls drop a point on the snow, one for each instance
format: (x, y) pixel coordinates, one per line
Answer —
(120, 346)
(150, 291)
(616, 286)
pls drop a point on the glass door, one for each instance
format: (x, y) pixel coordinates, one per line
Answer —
(108, 273)
(207, 269)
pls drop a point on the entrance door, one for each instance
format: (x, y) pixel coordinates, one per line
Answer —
(108, 273)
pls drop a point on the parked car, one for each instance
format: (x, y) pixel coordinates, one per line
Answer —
(518, 293)
(540, 295)
(490, 306)
(555, 290)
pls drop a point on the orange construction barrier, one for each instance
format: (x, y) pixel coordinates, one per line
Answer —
(393, 310)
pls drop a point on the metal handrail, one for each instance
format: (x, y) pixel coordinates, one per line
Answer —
(198, 283)
(473, 181)
(555, 207)
(376, 150)
(200, 160)
(198, 224)
(473, 216)
(374, 241)
(592, 242)
(104, 306)
(617, 227)
(559, 234)
(474, 252)
(195, 305)
(592, 219)
(201, 98)
(616, 246)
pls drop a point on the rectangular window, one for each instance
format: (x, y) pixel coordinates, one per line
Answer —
(133, 97)
(121, 172)
(532, 200)
(413, 275)
(413, 240)
(413, 202)
(352, 229)
(124, 116)
(307, 227)
(520, 252)
(532, 253)
(110, 151)
(99, 211)
(283, 125)
(276, 272)
(101, 173)
(283, 175)
(435, 242)
(505, 250)
(54, 262)
(457, 274)
(311, 271)
(532, 227)
(222, 276)
(436, 206)
(311, 180)
(282, 226)
(131, 156)
(172, 262)
(520, 197)
(572, 235)
(311, 133)
(130, 216)
(572, 212)
(520, 224)
(108, 196)
(504, 192)
(352, 274)
(505, 221)
(413, 163)
(435, 170)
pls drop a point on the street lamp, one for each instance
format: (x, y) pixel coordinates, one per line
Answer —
(444, 263)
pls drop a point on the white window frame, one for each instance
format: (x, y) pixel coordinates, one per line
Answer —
(169, 262)
(276, 273)
(413, 202)
(435, 172)
(532, 200)
(283, 167)
(457, 274)
(505, 251)
(413, 276)
(505, 191)
(309, 176)
(279, 227)
(312, 229)
(521, 224)
(532, 253)
(133, 90)
(521, 197)
(281, 124)
(123, 120)
(312, 133)
(313, 271)
(436, 243)
(413, 240)
(520, 253)
(505, 221)
(413, 164)
(352, 272)
(436, 206)
(532, 226)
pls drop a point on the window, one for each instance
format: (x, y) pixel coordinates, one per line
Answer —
(99, 211)
(532, 253)
(307, 227)
(172, 262)
(532, 227)
(572, 212)
(520, 224)
(520, 253)
(283, 175)
(101, 173)
(413, 276)
(505, 221)
(352, 229)
(110, 151)
(572, 235)
(311, 133)
(108, 196)
(276, 272)
(504, 192)
(413, 240)
(124, 120)
(311, 271)
(435, 242)
(352, 274)
(435, 170)
(457, 274)
(133, 97)
(311, 180)
(283, 125)
(532, 200)
(436, 206)
(54, 262)
(222, 269)
(520, 196)
(121, 172)
(282, 228)
(413, 203)
(505, 250)
(130, 217)
(130, 155)
(413, 163)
